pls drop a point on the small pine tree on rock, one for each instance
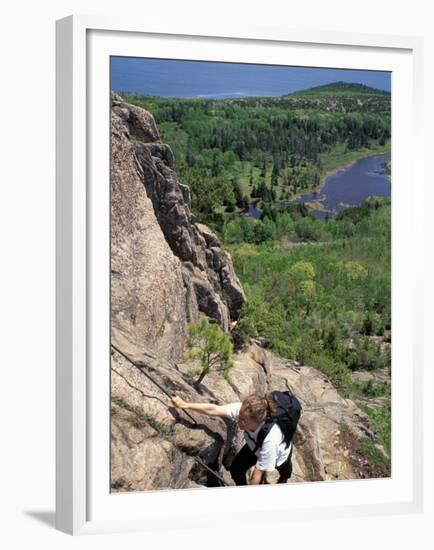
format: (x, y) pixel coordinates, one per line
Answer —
(211, 346)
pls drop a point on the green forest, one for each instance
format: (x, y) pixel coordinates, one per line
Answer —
(267, 151)
(318, 291)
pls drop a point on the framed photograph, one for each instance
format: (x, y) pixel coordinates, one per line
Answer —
(238, 275)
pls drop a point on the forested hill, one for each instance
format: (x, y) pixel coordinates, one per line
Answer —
(340, 88)
(343, 97)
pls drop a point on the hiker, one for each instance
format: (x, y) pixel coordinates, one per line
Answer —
(268, 439)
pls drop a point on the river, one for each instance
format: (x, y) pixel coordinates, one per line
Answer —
(350, 186)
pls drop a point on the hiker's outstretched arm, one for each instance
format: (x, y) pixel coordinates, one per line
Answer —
(256, 477)
(205, 408)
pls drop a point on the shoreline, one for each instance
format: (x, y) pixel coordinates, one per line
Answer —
(329, 173)
(334, 171)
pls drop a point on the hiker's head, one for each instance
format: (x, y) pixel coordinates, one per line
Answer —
(254, 410)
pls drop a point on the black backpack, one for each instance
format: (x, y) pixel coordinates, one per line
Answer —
(287, 417)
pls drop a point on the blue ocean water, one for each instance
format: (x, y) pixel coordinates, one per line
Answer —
(199, 79)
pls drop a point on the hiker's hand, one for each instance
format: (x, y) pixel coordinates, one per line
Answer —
(178, 402)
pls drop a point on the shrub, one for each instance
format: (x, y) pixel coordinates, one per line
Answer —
(309, 229)
(208, 343)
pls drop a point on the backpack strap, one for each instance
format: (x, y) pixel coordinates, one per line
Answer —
(263, 432)
(251, 439)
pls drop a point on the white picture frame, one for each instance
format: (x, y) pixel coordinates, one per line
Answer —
(83, 501)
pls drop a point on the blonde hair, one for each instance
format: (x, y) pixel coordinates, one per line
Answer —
(259, 407)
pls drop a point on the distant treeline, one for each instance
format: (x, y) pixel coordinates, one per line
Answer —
(232, 151)
(253, 126)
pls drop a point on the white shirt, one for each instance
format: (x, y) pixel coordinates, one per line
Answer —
(273, 451)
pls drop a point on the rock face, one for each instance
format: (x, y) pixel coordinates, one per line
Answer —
(154, 443)
(165, 270)
(141, 259)
(153, 233)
